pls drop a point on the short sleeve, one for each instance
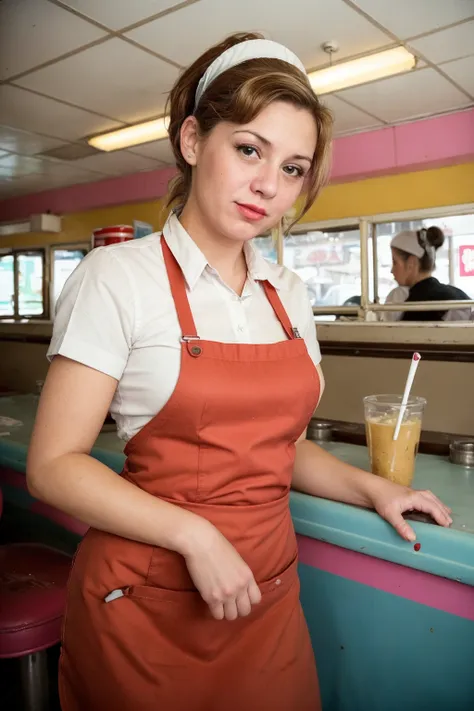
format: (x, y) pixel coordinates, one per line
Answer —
(94, 317)
(398, 295)
(308, 331)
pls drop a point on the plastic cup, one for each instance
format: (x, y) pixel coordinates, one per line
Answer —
(389, 458)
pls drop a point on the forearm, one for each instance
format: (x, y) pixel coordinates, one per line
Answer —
(88, 490)
(318, 473)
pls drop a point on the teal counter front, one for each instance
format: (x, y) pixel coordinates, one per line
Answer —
(392, 626)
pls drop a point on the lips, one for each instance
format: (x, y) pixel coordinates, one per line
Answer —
(251, 212)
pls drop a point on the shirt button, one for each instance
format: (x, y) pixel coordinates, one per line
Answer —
(240, 328)
(278, 582)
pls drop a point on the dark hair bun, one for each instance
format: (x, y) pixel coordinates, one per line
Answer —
(435, 237)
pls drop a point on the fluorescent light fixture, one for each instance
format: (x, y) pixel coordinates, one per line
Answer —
(324, 81)
(131, 135)
(362, 70)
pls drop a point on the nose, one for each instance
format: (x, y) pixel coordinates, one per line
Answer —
(265, 182)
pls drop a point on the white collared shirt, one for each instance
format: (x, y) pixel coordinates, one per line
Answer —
(116, 315)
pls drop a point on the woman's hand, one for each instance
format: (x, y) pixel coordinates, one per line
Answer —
(392, 500)
(221, 576)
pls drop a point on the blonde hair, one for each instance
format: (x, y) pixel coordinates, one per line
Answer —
(238, 95)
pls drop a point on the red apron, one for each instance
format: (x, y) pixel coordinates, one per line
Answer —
(223, 447)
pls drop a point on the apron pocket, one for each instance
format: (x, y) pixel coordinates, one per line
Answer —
(154, 594)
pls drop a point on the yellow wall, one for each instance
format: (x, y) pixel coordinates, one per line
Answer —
(453, 185)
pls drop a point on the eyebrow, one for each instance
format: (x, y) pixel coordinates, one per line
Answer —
(266, 142)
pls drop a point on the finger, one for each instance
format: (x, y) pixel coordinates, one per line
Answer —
(428, 506)
(443, 507)
(230, 610)
(254, 592)
(243, 603)
(403, 528)
(217, 610)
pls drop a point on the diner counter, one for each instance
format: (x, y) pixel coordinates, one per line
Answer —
(448, 553)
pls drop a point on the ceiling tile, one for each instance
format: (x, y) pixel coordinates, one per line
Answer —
(26, 144)
(118, 163)
(30, 112)
(159, 150)
(123, 82)
(462, 71)
(352, 31)
(38, 183)
(407, 18)
(14, 166)
(418, 93)
(120, 13)
(39, 31)
(66, 174)
(347, 118)
(447, 44)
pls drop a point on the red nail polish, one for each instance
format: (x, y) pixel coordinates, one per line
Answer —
(417, 546)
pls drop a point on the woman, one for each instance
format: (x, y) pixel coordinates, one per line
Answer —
(413, 263)
(184, 592)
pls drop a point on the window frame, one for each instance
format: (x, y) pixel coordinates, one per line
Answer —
(367, 226)
(47, 253)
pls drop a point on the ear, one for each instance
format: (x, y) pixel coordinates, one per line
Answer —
(412, 263)
(189, 138)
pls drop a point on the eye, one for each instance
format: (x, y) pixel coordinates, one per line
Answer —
(294, 171)
(247, 151)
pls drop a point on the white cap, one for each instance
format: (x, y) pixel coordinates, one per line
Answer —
(407, 241)
(251, 49)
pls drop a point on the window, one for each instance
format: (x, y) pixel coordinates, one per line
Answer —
(7, 286)
(28, 276)
(63, 264)
(329, 264)
(454, 260)
(347, 267)
(30, 269)
(22, 285)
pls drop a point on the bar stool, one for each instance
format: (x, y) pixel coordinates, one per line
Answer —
(33, 580)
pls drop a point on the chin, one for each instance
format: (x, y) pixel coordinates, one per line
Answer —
(242, 231)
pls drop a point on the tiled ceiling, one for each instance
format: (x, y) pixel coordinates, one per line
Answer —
(73, 68)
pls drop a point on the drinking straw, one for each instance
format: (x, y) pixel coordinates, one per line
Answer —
(411, 376)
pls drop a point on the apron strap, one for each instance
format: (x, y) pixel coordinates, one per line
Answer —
(282, 316)
(178, 291)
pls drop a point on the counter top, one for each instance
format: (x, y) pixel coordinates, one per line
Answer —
(445, 552)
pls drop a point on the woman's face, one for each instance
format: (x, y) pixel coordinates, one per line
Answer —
(246, 177)
(404, 270)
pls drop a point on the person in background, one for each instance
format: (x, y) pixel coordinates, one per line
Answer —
(398, 295)
(184, 593)
(413, 263)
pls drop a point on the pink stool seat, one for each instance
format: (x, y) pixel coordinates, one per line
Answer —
(33, 582)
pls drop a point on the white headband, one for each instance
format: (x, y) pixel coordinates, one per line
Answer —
(407, 241)
(252, 49)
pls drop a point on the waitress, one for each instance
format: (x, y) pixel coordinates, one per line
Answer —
(184, 593)
(413, 264)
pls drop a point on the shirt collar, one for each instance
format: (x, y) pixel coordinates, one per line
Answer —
(186, 252)
(259, 269)
(193, 262)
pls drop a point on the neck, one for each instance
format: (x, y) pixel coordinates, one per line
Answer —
(226, 256)
(421, 276)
